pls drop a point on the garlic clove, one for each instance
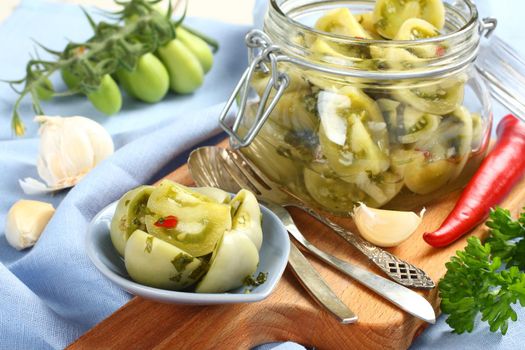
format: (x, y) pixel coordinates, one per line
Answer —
(69, 148)
(25, 222)
(386, 228)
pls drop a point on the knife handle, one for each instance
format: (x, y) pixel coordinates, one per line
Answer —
(317, 287)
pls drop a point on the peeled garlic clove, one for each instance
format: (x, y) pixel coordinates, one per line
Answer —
(386, 228)
(25, 222)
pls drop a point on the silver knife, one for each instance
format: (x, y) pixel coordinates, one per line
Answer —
(317, 288)
(401, 296)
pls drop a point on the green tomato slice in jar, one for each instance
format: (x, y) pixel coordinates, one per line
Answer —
(298, 145)
(435, 161)
(417, 125)
(380, 189)
(390, 109)
(353, 133)
(153, 262)
(129, 216)
(296, 111)
(332, 193)
(189, 220)
(477, 131)
(422, 174)
(441, 97)
(271, 162)
(342, 22)
(416, 29)
(366, 20)
(389, 15)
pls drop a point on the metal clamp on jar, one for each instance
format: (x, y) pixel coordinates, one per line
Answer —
(340, 120)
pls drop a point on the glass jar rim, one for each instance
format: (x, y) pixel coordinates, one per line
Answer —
(469, 25)
(460, 46)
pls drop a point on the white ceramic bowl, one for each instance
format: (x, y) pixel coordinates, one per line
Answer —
(273, 259)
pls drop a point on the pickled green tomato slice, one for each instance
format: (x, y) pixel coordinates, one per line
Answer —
(298, 145)
(332, 193)
(296, 111)
(418, 125)
(201, 221)
(423, 176)
(129, 216)
(215, 194)
(153, 262)
(267, 159)
(389, 108)
(342, 22)
(278, 151)
(456, 134)
(415, 29)
(436, 161)
(440, 97)
(380, 189)
(234, 258)
(389, 15)
(247, 217)
(353, 135)
(477, 130)
(366, 20)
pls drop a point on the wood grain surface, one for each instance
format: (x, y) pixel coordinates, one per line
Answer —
(289, 313)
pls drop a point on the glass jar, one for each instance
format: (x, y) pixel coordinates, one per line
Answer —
(340, 120)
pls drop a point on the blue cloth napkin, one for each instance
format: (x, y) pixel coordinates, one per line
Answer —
(52, 294)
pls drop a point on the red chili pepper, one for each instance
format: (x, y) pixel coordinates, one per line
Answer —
(167, 222)
(499, 172)
(440, 51)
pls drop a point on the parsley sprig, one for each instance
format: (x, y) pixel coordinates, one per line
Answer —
(487, 278)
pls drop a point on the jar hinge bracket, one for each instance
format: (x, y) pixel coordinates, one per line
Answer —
(263, 57)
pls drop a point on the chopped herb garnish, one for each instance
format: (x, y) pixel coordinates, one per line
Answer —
(249, 281)
(149, 244)
(176, 278)
(199, 271)
(181, 261)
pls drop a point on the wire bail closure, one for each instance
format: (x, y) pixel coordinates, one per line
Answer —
(263, 57)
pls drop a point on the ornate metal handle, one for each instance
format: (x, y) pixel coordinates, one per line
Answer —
(397, 269)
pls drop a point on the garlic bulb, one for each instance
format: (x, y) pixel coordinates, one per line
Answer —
(69, 148)
(25, 222)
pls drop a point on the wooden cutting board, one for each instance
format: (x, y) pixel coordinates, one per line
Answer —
(289, 313)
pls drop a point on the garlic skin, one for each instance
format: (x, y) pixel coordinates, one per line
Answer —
(386, 228)
(69, 148)
(25, 222)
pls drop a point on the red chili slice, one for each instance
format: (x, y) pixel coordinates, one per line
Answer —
(169, 221)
